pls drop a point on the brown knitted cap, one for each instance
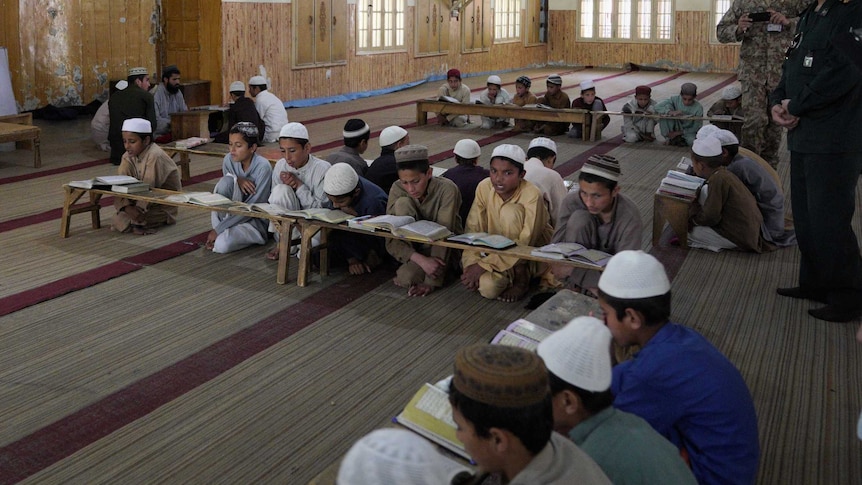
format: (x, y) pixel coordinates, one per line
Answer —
(500, 375)
(410, 153)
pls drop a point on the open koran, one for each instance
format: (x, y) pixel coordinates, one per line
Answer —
(200, 198)
(333, 216)
(495, 241)
(573, 252)
(407, 227)
(521, 333)
(105, 181)
(430, 414)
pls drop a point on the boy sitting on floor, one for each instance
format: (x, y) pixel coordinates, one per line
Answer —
(680, 132)
(590, 102)
(501, 404)
(248, 179)
(639, 128)
(297, 179)
(678, 382)
(467, 174)
(555, 98)
(422, 196)
(730, 104)
(624, 445)
(507, 205)
(724, 215)
(383, 172)
(148, 163)
(522, 97)
(454, 88)
(356, 135)
(494, 94)
(356, 196)
(597, 216)
(541, 156)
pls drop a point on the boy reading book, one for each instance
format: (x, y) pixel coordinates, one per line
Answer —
(297, 179)
(501, 403)
(247, 179)
(420, 195)
(729, 107)
(541, 157)
(678, 382)
(356, 196)
(554, 98)
(597, 216)
(639, 128)
(507, 205)
(680, 132)
(523, 97)
(590, 102)
(147, 162)
(494, 94)
(460, 92)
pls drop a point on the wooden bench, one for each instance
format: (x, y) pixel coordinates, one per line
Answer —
(219, 150)
(673, 211)
(598, 114)
(283, 225)
(19, 128)
(505, 111)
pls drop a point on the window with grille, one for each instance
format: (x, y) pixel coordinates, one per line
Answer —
(720, 7)
(380, 26)
(507, 20)
(627, 20)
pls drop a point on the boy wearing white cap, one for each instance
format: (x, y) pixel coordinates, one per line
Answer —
(597, 216)
(728, 216)
(467, 174)
(680, 132)
(590, 102)
(625, 446)
(541, 156)
(354, 195)
(555, 98)
(383, 172)
(678, 382)
(730, 105)
(247, 179)
(507, 205)
(422, 196)
(494, 94)
(356, 134)
(297, 179)
(240, 109)
(133, 102)
(148, 163)
(269, 107)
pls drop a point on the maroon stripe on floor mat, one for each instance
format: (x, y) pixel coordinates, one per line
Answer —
(53, 171)
(72, 433)
(79, 281)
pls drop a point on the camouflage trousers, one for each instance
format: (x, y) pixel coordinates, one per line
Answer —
(759, 133)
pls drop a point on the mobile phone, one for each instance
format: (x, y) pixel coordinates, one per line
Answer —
(759, 16)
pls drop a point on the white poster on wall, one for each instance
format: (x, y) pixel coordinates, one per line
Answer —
(7, 99)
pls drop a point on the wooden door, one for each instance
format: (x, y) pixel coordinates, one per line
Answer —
(304, 20)
(432, 27)
(477, 24)
(191, 40)
(338, 26)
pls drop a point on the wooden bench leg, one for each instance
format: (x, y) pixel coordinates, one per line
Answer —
(309, 229)
(74, 194)
(657, 221)
(593, 125)
(324, 252)
(284, 229)
(37, 154)
(185, 169)
(421, 116)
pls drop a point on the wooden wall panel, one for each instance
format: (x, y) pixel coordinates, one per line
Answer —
(692, 50)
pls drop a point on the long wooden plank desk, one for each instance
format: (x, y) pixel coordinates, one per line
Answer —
(282, 224)
(442, 108)
(598, 114)
(218, 150)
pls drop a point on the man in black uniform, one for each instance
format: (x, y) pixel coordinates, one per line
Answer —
(819, 101)
(132, 102)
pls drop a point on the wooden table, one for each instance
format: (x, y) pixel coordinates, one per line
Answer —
(442, 108)
(24, 136)
(598, 114)
(219, 150)
(674, 211)
(283, 225)
(187, 124)
(196, 92)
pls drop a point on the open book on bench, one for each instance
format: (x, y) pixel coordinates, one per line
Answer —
(573, 251)
(333, 216)
(406, 227)
(104, 182)
(523, 334)
(430, 415)
(494, 241)
(200, 198)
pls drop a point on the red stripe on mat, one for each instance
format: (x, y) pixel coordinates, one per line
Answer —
(79, 281)
(53, 171)
(72, 433)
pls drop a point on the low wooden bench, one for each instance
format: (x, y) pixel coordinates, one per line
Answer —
(283, 225)
(505, 111)
(219, 150)
(19, 128)
(594, 126)
(673, 211)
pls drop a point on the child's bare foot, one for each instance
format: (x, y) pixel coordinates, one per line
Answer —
(420, 290)
(514, 293)
(398, 283)
(272, 254)
(142, 231)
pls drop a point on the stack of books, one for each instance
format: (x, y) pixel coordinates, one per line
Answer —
(678, 184)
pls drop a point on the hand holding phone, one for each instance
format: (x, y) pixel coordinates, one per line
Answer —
(759, 16)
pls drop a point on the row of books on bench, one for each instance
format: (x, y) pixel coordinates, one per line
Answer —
(679, 184)
(123, 184)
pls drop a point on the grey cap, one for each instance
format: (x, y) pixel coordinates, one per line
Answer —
(688, 88)
(411, 153)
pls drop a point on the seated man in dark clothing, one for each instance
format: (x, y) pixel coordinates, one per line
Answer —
(241, 109)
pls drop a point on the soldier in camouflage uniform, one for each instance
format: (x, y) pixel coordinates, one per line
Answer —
(760, 57)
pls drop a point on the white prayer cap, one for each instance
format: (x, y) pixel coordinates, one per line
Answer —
(467, 148)
(544, 143)
(494, 79)
(707, 147)
(137, 125)
(340, 179)
(294, 130)
(395, 456)
(726, 137)
(392, 135)
(137, 71)
(631, 275)
(355, 128)
(580, 354)
(236, 86)
(257, 81)
(707, 131)
(121, 85)
(588, 84)
(512, 152)
(731, 92)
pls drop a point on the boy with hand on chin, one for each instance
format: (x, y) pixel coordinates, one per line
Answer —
(507, 205)
(248, 179)
(422, 196)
